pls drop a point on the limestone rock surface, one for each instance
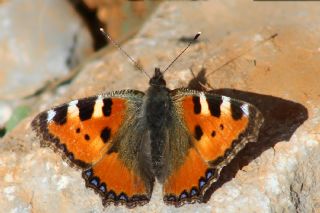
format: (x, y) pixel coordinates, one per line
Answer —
(49, 33)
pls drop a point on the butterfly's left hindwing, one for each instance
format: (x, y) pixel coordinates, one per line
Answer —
(218, 127)
(101, 135)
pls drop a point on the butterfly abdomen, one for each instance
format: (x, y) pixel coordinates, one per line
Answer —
(157, 111)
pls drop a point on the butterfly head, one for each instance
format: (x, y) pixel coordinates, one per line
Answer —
(157, 79)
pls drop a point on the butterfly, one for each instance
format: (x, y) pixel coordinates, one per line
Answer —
(125, 140)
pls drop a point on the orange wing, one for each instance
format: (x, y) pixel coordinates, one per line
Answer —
(118, 184)
(91, 133)
(218, 128)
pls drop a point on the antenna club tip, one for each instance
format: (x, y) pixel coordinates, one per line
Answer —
(197, 36)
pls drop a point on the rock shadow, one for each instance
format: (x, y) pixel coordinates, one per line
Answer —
(281, 119)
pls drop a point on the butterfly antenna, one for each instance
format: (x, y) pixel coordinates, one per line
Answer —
(191, 42)
(124, 52)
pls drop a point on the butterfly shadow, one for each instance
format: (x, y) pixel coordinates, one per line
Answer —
(281, 119)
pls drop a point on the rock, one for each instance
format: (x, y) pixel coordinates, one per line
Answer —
(54, 36)
(259, 52)
(5, 113)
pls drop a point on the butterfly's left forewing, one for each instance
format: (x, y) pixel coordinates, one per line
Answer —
(102, 135)
(218, 127)
(81, 130)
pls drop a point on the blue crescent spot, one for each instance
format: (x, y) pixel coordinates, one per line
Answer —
(122, 197)
(171, 198)
(201, 183)
(103, 187)
(94, 182)
(88, 173)
(193, 192)
(111, 195)
(209, 174)
(183, 195)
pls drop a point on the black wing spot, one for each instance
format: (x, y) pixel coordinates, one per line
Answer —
(236, 111)
(213, 133)
(86, 137)
(61, 115)
(196, 104)
(214, 106)
(86, 108)
(198, 132)
(221, 126)
(105, 134)
(107, 104)
(78, 130)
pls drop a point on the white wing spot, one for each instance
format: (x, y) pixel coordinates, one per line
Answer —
(226, 104)
(51, 114)
(73, 103)
(245, 109)
(204, 104)
(73, 110)
(97, 112)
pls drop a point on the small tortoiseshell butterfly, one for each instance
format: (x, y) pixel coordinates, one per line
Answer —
(126, 139)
